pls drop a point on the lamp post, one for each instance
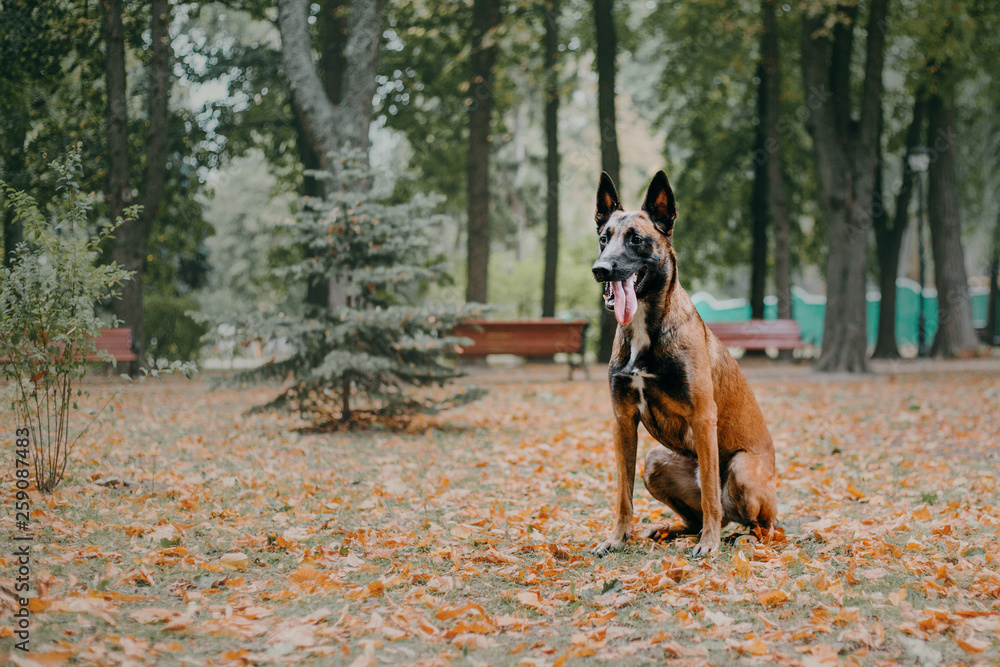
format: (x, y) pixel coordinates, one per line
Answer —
(919, 159)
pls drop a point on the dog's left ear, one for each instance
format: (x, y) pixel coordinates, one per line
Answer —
(659, 204)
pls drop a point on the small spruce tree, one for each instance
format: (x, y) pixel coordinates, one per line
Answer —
(377, 351)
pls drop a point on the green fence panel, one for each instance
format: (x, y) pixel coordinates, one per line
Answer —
(809, 311)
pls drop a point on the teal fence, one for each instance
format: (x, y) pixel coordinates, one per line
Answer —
(809, 310)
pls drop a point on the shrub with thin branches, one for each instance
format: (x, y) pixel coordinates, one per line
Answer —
(49, 325)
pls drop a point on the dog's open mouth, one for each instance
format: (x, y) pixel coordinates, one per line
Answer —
(620, 295)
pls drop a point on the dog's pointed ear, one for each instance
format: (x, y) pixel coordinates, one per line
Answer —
(607, 200)
(659, 204)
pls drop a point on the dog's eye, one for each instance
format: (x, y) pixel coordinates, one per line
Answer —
(637, 240)
(603, 239)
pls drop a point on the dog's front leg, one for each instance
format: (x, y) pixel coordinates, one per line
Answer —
(626, 440)
(706, 433)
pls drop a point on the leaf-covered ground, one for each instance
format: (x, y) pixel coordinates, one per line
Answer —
(190, 532)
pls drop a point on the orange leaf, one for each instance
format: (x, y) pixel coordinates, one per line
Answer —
(972, 644)
(755, 646)
(772, 598)
(36, 605)
(374, 589)
(448, 614)
(49, 659)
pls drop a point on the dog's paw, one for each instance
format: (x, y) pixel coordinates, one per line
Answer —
(706, 545)
(607, 546)
(667, 533)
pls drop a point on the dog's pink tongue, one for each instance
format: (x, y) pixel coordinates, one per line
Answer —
(625, 301)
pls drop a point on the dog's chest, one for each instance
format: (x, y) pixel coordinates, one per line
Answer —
(654, 377)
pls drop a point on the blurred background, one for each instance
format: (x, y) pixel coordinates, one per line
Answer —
(833, 162)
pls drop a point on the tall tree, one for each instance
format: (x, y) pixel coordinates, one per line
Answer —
(486, 17)
(130, 240)
(551, 157)
(955, 333)
(758, 210)
(889, 235)
(846, 154)
(771, 120)
(607, 69)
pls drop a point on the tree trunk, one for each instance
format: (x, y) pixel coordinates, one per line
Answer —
(15, 175)
(607, 51)
(486, 16)
(333, 65)
(956, 334)
(333, 35)
(758, 208)
(846, 159)
(551, 157)
(129, 245)
(333, 106)
(116, 189)
(131, 239)
(777, 201)
(992, 333)
(889, 240)
(332, 126)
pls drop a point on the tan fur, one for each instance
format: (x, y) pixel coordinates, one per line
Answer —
(716, 462)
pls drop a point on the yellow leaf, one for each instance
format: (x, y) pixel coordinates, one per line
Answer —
(462, 531)
(754, 646)
(741, 564)
(235, 561)
(897, 596)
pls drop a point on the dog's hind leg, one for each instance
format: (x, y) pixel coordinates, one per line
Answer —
(748, 495)
(672, 479)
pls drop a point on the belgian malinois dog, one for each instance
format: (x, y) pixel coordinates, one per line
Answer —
(670, 372)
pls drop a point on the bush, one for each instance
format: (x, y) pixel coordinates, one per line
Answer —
(48, 322)
(171, 333)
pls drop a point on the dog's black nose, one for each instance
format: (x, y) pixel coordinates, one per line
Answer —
(602, 270)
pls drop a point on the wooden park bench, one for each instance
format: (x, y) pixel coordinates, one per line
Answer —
(117, 342)
(759, 334)
(527, 338)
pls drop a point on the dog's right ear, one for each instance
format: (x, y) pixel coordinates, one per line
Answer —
(607, 200)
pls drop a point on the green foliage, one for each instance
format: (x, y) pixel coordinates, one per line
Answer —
(382, 352)
(708, 53)
(48, 322)
(171, 333)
